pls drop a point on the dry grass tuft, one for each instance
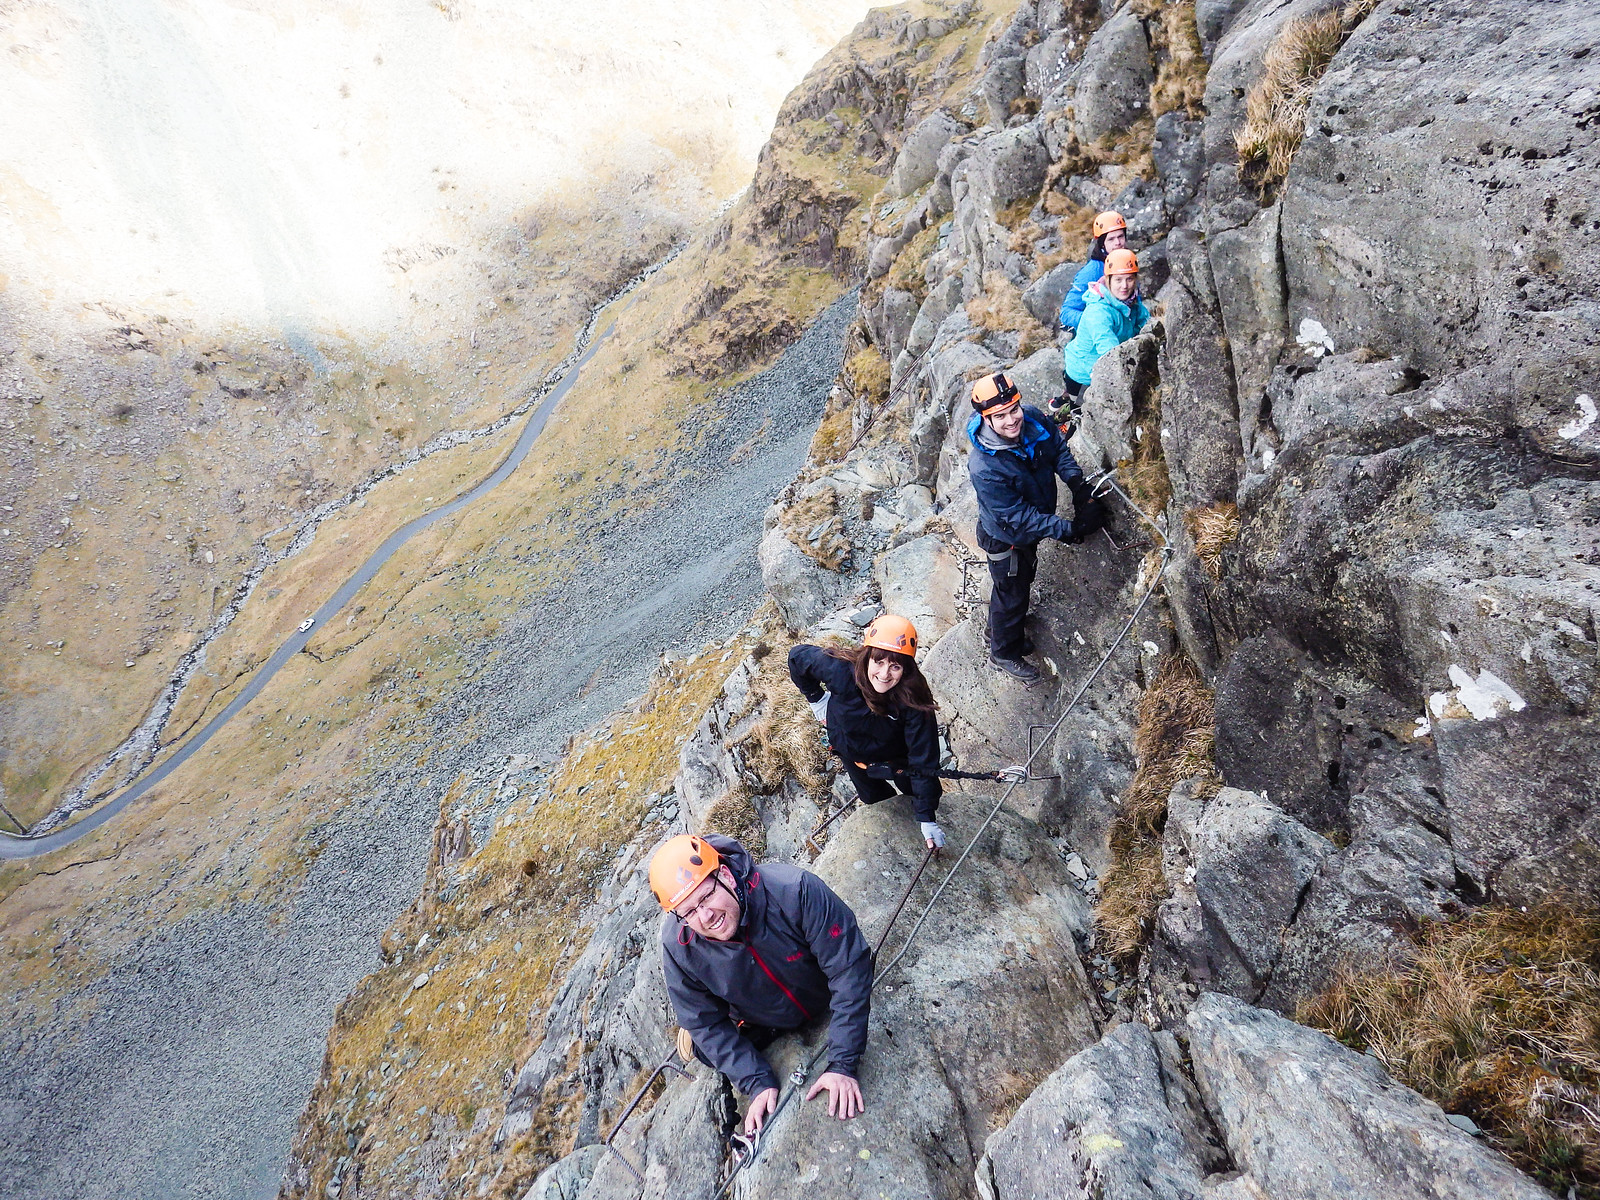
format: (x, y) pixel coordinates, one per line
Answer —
(1145, 474)
(735, 816)
(813, 525)
(1173, 742)
(869, 375)
(1275, 111)
(1498, 1017)
(1006, 1094)
(1213, 529)
(786, 742)
(908, 272)
(1000, 309)
(1180, 60)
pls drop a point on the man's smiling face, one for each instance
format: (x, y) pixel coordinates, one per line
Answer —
(712, 911)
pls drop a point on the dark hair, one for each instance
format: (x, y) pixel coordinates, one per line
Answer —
(911, 692)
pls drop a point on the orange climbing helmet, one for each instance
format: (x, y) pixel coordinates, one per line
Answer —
(1106, 222)
(681, 865)
(889, 632)
(1122, 262)
(994, 393)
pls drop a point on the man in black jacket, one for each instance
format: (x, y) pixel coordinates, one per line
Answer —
(1017, 455)
(749, 953)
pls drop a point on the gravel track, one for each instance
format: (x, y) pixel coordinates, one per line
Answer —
(206, 1038)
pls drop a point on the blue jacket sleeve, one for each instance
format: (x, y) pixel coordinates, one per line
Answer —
(835, 939)
(1067, 467)
(1014, 519)
(1072, 302)
(706, 1018)
(808, 670)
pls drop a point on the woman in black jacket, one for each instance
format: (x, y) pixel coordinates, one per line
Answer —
(879, 714)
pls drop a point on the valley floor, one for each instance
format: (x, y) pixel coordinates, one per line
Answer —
(201, 1042)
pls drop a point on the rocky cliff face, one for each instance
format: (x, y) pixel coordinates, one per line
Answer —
(1359, 456)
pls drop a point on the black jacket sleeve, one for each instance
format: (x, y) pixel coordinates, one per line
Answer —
(922, 762)
(808, 670)
(841, 951)
(706, 1018)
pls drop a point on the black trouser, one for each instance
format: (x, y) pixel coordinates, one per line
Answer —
(1072, 389)
(873, 790)
(1012, 576)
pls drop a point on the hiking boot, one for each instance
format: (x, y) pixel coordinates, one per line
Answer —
(1027, 642)
(1017, 668)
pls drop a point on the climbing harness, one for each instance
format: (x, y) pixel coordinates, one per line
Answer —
(746, 1149)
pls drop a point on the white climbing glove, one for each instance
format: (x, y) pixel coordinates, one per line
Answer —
(819, 708)
(933, 834)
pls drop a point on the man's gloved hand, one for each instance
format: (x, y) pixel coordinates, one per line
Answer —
(933, 834)
(1082, 493)
(1090, 517)
(819, 708)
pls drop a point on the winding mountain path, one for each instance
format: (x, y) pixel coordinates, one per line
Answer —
(201, 1041)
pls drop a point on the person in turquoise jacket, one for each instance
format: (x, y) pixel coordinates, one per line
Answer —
(1110, 232)
(1112, 313)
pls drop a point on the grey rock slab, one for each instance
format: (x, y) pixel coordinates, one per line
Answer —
(1049, 66)
(677, 1146)
(565, 1179)
(1099, 1128)
(899, 312)
(1278, 729)
(1003, 83)
(1113, 84)
(1044, 295)
(939, 303)
(1309, 1119)
(1406, 206)
(1246, 267)
(1108, 431)
(919, 580)
(1239, 868)
(1199, 413)
(1179, 155)
(1006, 166)
(918, 160)
(1360, 908)
(1038, 377)
(803, 589)
(1523, 806)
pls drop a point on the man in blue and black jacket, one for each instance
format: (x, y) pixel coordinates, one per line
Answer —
(750, 952)
(1018, 453)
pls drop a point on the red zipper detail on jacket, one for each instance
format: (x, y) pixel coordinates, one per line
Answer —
(760, 963)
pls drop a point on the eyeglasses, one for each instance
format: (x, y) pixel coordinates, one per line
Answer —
(692, 907)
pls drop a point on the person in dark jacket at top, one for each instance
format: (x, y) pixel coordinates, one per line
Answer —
(1018, 453)
(750, 952)
(879, 713)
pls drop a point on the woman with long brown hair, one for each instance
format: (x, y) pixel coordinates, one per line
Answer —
(879, 713)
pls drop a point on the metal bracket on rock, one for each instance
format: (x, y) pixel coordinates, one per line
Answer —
(1033, 750)
(666, 1065)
